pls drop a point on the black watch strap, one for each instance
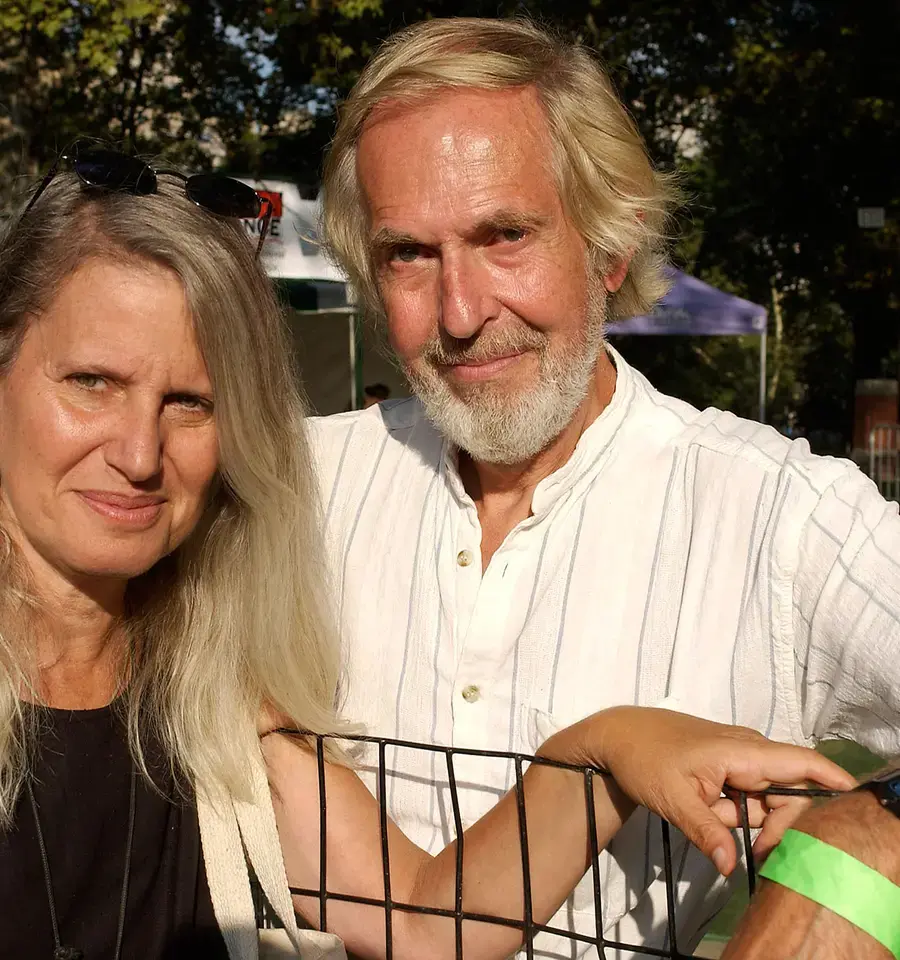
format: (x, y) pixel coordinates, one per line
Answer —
(886, 787)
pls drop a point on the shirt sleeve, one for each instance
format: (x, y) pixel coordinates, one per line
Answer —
(846, 617)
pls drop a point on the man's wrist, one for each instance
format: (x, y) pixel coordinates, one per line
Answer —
(783, 925)
(859, 825)
(840, 883)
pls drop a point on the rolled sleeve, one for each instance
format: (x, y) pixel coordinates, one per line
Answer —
(846, 616)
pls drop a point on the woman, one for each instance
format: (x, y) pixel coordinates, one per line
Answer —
(163, 596)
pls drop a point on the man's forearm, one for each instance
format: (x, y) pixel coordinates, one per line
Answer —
(783, 925)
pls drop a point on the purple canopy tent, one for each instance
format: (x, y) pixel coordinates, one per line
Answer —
(695, 308)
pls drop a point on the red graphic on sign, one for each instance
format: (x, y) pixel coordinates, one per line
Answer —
(274, 199)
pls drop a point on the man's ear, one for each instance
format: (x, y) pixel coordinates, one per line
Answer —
(618, 270)
(615, 275)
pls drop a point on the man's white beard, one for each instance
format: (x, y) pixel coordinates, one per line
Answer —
(494, 424)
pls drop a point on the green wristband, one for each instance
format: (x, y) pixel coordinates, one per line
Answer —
(840, 883)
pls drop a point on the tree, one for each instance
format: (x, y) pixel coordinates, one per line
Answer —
(781, 114)
(160, 75)
(804, 132)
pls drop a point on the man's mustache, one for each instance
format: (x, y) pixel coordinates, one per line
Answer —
(445, 350)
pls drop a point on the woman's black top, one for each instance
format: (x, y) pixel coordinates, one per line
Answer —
(82, 788)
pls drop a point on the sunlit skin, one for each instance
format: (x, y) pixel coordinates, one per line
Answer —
(471, 236)
(107, 439)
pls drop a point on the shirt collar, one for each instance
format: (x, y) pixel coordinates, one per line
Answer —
(589, 452)
(585, 458)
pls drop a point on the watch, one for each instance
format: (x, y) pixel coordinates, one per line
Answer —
(886, 787)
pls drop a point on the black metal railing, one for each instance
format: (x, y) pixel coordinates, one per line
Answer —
(528, 927)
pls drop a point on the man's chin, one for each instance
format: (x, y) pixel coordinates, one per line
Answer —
(489, 393)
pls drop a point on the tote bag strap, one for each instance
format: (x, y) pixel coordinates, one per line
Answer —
(259, 832)
(228, 878)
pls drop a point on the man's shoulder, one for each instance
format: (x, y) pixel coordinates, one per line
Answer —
(727, 442)
(381, 419)
(374, 438)
(734, 440)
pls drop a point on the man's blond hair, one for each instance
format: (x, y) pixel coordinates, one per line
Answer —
(609, 188)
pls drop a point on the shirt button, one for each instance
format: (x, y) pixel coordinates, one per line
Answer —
(471, 693)
(464, 558)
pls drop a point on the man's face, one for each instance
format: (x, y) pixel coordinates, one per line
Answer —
(491, 306)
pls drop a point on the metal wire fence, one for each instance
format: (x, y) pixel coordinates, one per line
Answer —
(884, 459)
(582, 943)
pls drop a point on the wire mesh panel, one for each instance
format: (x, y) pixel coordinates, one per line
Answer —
(592, 944)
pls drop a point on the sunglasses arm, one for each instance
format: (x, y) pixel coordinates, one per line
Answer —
(48, 177)
(266, 217)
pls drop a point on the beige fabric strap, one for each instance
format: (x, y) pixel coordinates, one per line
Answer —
(232, 833)
(226, 874)
(256, 822)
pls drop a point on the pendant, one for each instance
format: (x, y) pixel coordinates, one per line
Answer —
(67, 953)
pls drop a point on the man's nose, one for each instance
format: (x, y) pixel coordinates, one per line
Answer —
(135, 447)
(467, 300)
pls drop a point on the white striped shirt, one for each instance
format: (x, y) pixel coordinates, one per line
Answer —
(679, 558)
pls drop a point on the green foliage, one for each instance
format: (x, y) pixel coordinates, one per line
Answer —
(803, 133)
(164, 76)
(782, 116)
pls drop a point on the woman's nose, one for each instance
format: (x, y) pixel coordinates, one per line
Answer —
(135, 448)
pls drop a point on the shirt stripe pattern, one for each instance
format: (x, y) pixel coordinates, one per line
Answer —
(680, 558)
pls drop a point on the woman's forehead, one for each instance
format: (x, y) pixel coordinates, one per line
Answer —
(130, 313)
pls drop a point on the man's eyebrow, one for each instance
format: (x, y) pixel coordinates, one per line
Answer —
(501, 220)
(385, 238)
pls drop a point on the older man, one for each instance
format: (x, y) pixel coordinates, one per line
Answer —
(551, 534)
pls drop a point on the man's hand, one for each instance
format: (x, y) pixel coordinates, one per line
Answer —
(677, 765)
(783, 925)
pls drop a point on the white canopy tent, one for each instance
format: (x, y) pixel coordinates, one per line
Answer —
(291, 250)
(292, 254)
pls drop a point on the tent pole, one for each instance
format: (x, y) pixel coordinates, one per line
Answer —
(351, 329)
(762, 376)
(356, 361)
(358, 353)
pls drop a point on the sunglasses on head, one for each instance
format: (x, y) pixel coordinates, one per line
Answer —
(101, 167)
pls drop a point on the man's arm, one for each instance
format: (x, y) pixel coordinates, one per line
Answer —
(846, 622)
(783, 925)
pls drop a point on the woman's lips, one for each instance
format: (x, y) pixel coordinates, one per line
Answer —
(133, 511)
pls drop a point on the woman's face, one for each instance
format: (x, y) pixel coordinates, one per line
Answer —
(107, 434)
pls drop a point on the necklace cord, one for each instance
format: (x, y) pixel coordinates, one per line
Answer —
(59, 950)
(126, 872)
(46, 865)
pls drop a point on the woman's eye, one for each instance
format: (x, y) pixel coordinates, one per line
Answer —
(191, 403)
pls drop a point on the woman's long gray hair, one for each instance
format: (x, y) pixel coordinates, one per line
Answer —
(237, 616)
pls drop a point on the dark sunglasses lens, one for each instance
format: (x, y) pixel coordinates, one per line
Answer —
(104, 168)
(223, 196)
